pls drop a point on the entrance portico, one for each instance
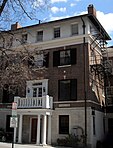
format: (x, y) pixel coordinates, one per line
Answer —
(42, 125)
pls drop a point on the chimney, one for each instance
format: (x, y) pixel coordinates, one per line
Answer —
(91, 10)
(15, 26)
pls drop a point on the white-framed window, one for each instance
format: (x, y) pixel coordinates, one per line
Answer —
(40, 35)
(56, 32)
(37, 88)
(24, 38)
(74, 29)
(65, 58)
(39, 59)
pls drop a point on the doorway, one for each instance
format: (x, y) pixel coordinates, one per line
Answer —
(34, 130)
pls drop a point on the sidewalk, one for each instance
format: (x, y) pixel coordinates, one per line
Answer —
(9, 145)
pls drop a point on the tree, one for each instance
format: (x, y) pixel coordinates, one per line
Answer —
(17, 65)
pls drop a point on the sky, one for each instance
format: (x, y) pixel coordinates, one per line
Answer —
(66, 8)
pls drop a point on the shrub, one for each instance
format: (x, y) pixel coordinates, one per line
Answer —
(70, 140)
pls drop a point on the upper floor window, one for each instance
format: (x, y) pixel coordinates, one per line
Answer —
(24, 38)
(37, 88)
(40, 35)
(64, 57)
(67, 90)
(74, 29)
(39, 60)
(57, 32)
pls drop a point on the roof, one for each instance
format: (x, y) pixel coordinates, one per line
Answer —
(93, 19)
(99, 27)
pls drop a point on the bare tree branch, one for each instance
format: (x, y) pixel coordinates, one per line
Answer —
(2, 6)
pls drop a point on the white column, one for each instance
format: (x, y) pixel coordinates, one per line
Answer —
(44, 130)
(49, 130)
(20, 130)
(38, 131)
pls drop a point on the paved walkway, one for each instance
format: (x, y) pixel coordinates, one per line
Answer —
(9, 145)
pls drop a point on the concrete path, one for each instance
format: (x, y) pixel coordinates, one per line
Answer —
(9, 145)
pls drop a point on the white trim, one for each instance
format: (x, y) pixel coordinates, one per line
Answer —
(88, 101)
(64, 66)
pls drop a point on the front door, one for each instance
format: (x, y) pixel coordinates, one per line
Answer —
(33, 130)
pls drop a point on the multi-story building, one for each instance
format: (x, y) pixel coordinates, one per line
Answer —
(109, 92)
(68, 96)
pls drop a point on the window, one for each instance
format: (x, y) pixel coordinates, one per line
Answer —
(67, 90)
(64, 57)
(24, 38)
(39, 60)
(63, 124)
(37, 88)
(57, 32)
(40, 36)
(109, 95)
(109, 91)
(74, 29)
(34, 92)
(9, 92)
(94, 130)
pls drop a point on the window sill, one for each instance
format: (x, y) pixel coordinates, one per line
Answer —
(64, 66)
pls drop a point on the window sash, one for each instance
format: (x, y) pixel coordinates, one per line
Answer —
(57, 32)
(65, 58)
(68, 90)
(74, 29)
(63, 124)
(40, 36)
(24, 38)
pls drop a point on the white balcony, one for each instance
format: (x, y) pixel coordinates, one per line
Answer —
(45, 102)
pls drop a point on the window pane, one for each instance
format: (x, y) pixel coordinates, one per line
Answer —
(39, 35)
(64, 93)
(65, 57)
(74, 29)
(24, 38)
(40, 92)
(56, 32)
(39, 60)
(94, 130)
(63, 124)
(34, 92)
(68, 90)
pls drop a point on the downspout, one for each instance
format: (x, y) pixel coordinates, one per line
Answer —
(85, 99)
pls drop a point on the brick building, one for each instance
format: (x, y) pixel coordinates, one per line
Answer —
(68, 97)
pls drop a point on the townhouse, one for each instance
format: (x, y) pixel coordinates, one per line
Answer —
(67, 95)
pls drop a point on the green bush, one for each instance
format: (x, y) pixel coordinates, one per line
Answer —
(70, 140)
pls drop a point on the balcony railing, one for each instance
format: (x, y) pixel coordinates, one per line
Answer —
(45, 102)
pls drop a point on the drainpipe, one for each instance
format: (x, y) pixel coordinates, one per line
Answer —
(85, 99)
